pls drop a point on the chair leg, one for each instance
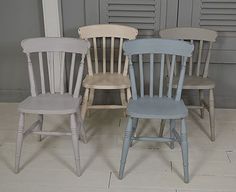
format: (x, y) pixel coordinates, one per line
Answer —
(19, 141)
(85, 104)
(134, 127)
(163, 122)
(184, 147)
(40, 117)
(201, 99)
(172, 126)
(126, 144)
(128, 94)
(212, 114)
(82, 129)
(122, 97)
(75, 142)
(90, 99)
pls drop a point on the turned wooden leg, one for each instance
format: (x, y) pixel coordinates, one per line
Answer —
(122, 97)
(201, 101)
(82, 133)
(128, 94)
(84, 104)
(19, 141)
(134, 128)
(90, 99)
(40, 117)
(212, 114)
(163, 122)
(172, 127)
(75, 142)
(184, 147)
(126, 144)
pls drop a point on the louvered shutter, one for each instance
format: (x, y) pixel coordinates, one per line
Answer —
(141, 14)
(218, 15)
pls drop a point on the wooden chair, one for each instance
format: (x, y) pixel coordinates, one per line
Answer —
(45, 101)
(197, 76)
(162, 105)
(107, 41)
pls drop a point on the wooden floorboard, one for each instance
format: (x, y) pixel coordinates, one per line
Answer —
(49, 165)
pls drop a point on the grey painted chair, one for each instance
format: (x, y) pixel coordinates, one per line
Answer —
(197, 76)
(45, 101)
(162, 105)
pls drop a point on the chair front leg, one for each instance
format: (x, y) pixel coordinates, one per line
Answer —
(40, 118)
(128, 94)
(212, 114)
(19, 141)
(85, 103)
(184, 147)
(172, 127)
(134, 128)
(75, 142)
(126, 144)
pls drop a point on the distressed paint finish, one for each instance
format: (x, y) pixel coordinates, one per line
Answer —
(161, 106)
(198, 79)
(111, 74)
(53, 101)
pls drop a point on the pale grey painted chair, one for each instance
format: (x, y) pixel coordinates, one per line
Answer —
(45, 101)
(161, 106)
(197, 76)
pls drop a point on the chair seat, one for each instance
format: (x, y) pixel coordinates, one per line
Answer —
(156, 107)
(194, 82)
(50, 104)
(106, 81)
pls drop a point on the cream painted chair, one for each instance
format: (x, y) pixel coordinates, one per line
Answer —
(45, 100)
(107, 66)
(197, 75)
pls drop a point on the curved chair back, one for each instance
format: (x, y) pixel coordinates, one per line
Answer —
(107, 41)
(45, 48)
(202, 40)
(153, 49)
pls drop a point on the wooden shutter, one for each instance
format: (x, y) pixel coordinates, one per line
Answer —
(141, 14)
(218, 15)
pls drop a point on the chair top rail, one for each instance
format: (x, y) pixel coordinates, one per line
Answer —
(159, 46)
(107, 30)
(55, 44)
(189, 33)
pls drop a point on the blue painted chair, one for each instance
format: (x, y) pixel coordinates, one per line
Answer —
(163, 105)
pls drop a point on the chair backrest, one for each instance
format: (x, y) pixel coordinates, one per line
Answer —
(107, 41)
(154, 49)
(45, 48)
(202, 40)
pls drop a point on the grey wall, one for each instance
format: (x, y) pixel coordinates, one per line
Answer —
(18, 20)
(23, 19)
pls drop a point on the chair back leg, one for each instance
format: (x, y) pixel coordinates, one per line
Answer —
(40, 118)
(172, 127)
(19, 141)
(212, 114)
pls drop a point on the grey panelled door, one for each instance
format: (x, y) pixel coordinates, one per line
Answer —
(218, 15)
